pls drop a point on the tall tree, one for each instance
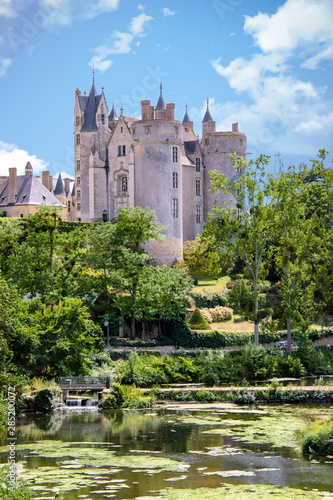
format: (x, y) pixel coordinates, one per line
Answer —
(245, 228)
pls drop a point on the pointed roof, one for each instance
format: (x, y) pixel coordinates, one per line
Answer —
(73, 190)
(160, 103)
(113, 114)
(59, 189)
(186, 118)
(91, 104)
(30, 191)
(208, 116)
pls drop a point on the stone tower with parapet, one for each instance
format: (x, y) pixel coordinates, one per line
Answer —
(216, 148)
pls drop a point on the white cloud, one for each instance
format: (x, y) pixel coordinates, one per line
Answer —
(285, 112)
(120, 42)
(141, 7)
(65, 12)
(12, 156)
(6, 8)
(4, 65)
(167, 12)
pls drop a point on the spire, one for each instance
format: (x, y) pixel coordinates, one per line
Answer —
(89, 123)
(59, 189)
(160, 103)
(208, 116)
(113, 114)
(28, 169)
(186, 118)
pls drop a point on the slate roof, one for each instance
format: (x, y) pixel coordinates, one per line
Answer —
(186, 118)
(190, 147)
(90, 107)
(59, 189)
(113, 114)
(160, 103)
(208, 116)
(30, 191)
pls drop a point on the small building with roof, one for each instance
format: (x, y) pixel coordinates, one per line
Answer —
(23, 194)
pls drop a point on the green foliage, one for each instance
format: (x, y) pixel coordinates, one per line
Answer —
(205, 396)
(47, 399)
(17, 490)
(241, 298)
(209, 299)
(317, 438)
(197, 321)
(217, 314)
(244, 398)
(199, 258)
(126, 397)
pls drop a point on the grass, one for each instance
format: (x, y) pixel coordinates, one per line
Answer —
(211, 285)
(230, 326)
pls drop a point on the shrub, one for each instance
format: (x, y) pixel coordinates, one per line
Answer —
(265, 313)
(47, 399)
(9, 492)
(217, 314)
(210, 299)
(126, 397)
(197, 321)
(317, 438)
(244, 398)
(205, 396)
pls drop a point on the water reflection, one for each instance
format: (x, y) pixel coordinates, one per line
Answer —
(129, 454)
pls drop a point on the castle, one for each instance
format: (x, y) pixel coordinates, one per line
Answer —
(155, 161)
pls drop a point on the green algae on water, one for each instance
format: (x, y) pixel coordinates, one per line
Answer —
(241, 492)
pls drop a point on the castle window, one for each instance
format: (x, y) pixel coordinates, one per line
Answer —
(175, 179)
(77, 139)
(198, 214)
(102, 119)
(147, 130)
(175, 154)
(78, 195)
(176, 130)
(69, 206)
(78, 165)
(124, 150)
(123, 184)
(175, 208)
(121, 130)
(197, 187)
(78, 121)
(78, 206)
(119, 150)
(197, 164)
(206, 141)
(133, 131)
(78, 181)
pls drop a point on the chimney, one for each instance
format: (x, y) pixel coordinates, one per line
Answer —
(235, 127)
(145, 110)
(67, 185)
(151, 112)
(170, 111)
(47, 180)
(28, 169)
(12, 185)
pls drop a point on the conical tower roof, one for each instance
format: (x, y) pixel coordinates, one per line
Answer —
(186, 118)
(160, 103)
(113, 114)
(89, 123)
(208, 116)
(59, 189)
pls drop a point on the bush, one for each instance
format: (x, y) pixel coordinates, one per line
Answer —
(197, 321)
(9, 492)
(205, 396)
(47, 399)
(317, 438)
(217, 314)
(126, 397)
(209, 299)
(244, 398)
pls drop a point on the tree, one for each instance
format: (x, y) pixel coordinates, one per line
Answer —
(116, 252)
(245, 228)
(200, 258)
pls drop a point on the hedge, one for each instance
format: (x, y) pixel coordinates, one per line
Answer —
(209, 299)
(124, 354)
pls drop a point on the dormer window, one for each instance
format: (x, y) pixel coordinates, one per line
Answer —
(78, 121)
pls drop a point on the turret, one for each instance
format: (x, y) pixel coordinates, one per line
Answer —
(208, 124)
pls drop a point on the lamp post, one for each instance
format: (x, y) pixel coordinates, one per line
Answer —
(106, 323)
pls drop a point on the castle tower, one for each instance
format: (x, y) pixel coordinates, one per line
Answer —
(216, 148)
(59, 191)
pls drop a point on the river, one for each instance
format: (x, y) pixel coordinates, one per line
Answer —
(177, 451)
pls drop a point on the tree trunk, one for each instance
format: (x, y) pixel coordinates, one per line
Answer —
(256, 323)
(132, 313)
(144, 335)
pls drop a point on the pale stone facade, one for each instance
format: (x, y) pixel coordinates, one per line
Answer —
(154, 162)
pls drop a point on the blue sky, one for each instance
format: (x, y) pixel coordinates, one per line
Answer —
(267, 65)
